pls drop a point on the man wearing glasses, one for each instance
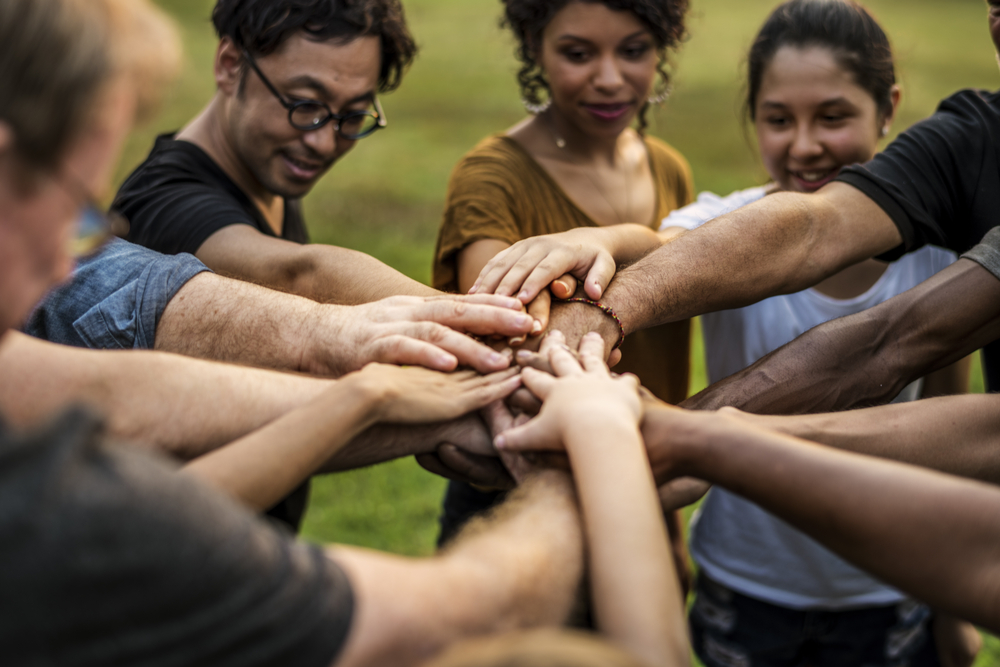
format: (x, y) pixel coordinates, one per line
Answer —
(296, 90)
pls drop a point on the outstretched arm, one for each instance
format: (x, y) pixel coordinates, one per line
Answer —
(781, 244)
(320, 272)
(181, 406)
(595, 418)
(518, 568)
(959, 435)
(932, 535)
(230, 320)
(867, 358)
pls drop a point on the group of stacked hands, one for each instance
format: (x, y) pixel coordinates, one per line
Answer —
(112, 558)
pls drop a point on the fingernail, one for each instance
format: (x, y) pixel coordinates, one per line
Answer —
(522, 320)
(517, 340)
(523, 296)
(507, 353)
(497, 358)
(536, 328)
(523, 354)
(475, 286)
(499, 442)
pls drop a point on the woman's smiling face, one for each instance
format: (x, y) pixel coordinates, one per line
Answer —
(600, 65)
(812, 118)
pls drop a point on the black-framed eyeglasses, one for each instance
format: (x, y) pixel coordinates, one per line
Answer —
(309, 115)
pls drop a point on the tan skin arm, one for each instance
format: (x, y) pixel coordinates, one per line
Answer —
(320, 272)
(519, 568)
(787, 242)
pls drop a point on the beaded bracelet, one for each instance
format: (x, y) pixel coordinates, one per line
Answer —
(607, 310)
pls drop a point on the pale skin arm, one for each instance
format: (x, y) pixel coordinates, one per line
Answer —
(187, 408)
(635, 590)
(931, 535)
(230, 320)
(520, 568)
(320, 272)
(262, 467)
(181, 406)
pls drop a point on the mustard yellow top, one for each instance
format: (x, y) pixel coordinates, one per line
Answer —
(498, 191)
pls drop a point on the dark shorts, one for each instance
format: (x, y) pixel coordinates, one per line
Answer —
(732, 630)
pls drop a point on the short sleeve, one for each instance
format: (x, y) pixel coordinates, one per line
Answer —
(179, 217)
(987, 253)
(480, 204)
(710, 206)
(113, 558)
(115, 299)
(938, 180)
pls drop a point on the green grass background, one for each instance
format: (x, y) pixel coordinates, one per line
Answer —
(385, 197)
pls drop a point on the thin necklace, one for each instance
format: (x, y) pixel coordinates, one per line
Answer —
(561, 145)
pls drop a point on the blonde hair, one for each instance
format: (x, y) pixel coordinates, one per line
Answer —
(58, 56)
(536, 648)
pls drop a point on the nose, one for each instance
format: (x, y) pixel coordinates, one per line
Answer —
(608, 77)
(323, 141)
(805, 144)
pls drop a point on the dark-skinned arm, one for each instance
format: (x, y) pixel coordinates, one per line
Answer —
(868, 357)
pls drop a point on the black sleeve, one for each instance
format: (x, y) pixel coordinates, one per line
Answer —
(938, 180)
(175, 217)
(109, 557)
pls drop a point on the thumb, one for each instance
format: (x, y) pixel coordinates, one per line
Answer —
(525, 438)
(599, 276)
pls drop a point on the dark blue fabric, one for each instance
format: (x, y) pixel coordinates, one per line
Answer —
(732, 630)
(115, 298)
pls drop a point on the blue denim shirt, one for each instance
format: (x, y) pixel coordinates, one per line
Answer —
(115, 298)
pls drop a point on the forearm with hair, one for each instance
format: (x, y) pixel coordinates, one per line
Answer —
(182, 406)
(867, 358)
(230, 320)
(519, 567)
(781, 244)
(932, 535)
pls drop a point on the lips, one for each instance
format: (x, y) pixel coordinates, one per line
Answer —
(810, 180)
(304, 170)
(607, 112)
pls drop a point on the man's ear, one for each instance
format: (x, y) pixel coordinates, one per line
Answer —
(229, 67)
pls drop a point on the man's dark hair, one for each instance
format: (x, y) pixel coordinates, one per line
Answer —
(261, 26)
(528, 18)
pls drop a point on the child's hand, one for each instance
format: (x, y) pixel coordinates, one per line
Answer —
(581, 390)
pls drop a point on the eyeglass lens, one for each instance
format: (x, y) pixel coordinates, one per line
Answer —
(307, 116)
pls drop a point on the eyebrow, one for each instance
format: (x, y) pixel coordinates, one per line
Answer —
(306, 81)
(577, 38)
(824, 103)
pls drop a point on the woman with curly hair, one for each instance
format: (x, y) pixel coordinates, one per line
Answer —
(590, 71)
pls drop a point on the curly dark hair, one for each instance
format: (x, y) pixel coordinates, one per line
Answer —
(260, 26)
(528, 18)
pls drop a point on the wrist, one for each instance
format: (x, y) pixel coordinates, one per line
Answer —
(322, 341)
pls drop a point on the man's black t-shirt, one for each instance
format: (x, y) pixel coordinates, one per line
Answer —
(179, 197)
(939, 181)
(111, 557)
